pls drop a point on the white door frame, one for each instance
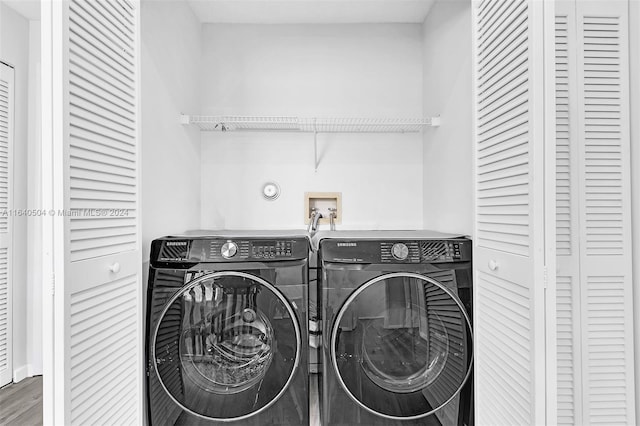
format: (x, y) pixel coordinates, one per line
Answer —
(48, 46)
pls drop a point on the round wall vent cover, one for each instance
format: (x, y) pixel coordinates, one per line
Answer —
(270, 190)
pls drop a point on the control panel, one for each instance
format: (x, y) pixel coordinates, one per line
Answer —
(445, 251)
(396, 251)
(399, 252)
(453, 251)
(271, 249)
(233, 250)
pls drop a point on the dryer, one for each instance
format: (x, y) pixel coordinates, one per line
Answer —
(397, 332)
(226, 329)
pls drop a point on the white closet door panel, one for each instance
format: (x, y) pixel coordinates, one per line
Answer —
(504, 342)
(503, 131)
(509, 295)
(6, 221)
(595, 328)
(103, 176)
(104, 341)
(565, 128)
(568, 291)
(6, 365)
(6, 143)
(604, 132)
(605, 267)
(568, 366)
(101, 339)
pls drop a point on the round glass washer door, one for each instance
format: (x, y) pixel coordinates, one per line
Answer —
(227, 346)
(401, 346)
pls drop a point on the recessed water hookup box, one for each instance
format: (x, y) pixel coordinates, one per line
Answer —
(325, 203)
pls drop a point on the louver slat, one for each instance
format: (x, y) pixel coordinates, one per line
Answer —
(102, 167)
(503, 150)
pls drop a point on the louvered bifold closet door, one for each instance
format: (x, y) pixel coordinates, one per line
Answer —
(103, 304)
(509, 226)
(605, 212)
(6, 221)
(595, 376)
(567, 221)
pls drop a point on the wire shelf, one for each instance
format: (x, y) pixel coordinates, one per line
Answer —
(310, 124)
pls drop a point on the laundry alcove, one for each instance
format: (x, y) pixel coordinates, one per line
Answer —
(486, 70)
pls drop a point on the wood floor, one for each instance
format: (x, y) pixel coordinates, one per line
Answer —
(21, 403)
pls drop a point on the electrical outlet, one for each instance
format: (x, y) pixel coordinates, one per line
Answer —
(323, 202)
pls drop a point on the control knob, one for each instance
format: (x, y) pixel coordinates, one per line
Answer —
(229, 249)
(400, 251)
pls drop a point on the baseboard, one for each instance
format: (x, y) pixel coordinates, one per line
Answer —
(20, 373)
(32, 371)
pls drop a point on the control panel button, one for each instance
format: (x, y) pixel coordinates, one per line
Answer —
(229, 249)
(400, 251)
(266, 249)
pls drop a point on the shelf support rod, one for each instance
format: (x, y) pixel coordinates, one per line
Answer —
(315, 151)
(315, 146)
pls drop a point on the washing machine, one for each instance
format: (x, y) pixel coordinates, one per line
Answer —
(226, 329)
(397, 331)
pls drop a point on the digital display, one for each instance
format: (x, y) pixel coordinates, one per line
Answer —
(269, 249)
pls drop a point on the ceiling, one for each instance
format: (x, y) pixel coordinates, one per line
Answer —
(310, 11)
(30, 9)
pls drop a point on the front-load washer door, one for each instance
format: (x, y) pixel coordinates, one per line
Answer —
(236, 350)
(401, 346)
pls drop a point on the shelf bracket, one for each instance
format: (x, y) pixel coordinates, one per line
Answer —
(315, 145)
(315, 151)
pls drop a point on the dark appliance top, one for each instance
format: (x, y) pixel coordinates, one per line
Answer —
(228, 248)
(398, 250)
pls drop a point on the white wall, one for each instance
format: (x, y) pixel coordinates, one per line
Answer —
(312, 70)
(171, 63)
(448, 166)
(14, 49)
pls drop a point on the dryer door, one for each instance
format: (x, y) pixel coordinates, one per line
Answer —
(401, 346)
(235, 351)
